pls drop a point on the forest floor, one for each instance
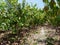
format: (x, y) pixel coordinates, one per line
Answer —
(35, 36)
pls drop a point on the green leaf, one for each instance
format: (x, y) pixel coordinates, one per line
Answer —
(45, 1)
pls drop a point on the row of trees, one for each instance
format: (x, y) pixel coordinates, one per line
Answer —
(14, 15)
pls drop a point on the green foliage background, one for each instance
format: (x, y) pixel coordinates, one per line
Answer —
(14, 15)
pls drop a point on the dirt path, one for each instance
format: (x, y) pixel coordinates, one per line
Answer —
(3, 34)
(39, 36)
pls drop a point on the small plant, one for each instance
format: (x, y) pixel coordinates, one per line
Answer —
(50, 41)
